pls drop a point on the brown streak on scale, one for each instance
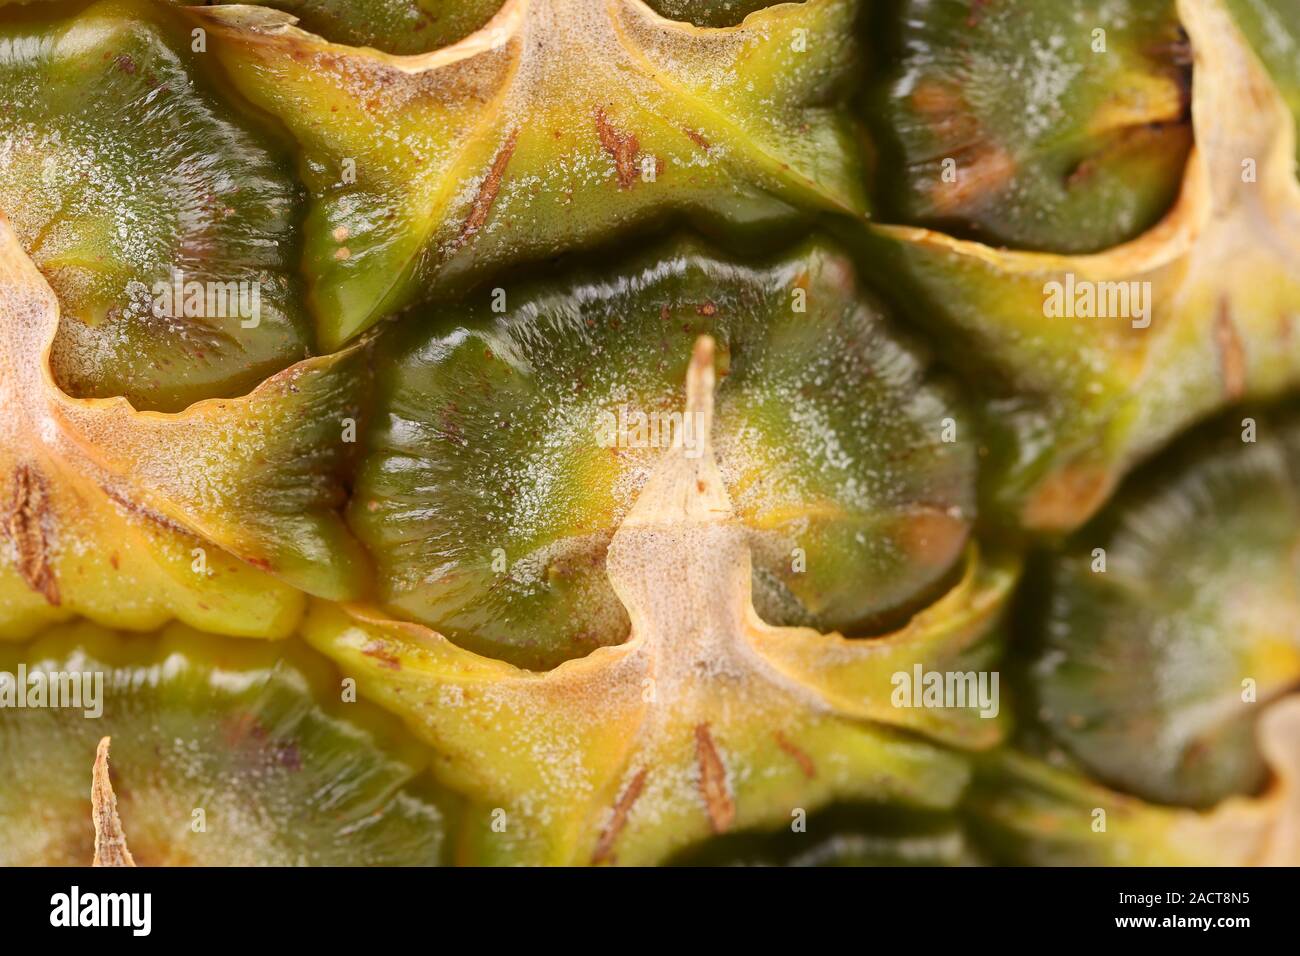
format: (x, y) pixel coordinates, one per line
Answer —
(140, 511)
(713, 781)
(26, 525)
(487, 191)
(380, 652)
(983, 166)
(802, 759)
(605, 845)
(697, 138)
(623, 148)
(1232, 355)
(985, 170)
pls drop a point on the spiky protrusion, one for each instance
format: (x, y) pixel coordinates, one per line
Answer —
(706, 719)
(110, 841)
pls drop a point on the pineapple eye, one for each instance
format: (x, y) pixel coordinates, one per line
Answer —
(224, 753)
(1060, 126)
(163, 221)
(394, 26)
(1163, 646)
(505, 453)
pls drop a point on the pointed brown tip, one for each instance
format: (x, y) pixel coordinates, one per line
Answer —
(700, 378)
(110, 841)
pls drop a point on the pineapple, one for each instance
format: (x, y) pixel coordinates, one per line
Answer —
(636, 432)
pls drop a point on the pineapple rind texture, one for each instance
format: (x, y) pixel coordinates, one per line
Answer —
(227, 753)
(348, 326)
(810, 402)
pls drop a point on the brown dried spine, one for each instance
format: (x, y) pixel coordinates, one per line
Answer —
(26, 525)
(110, 841)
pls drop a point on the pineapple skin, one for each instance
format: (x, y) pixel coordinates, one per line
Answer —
(863, 252)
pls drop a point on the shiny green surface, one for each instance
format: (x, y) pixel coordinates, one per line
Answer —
(224, 753)
(1005, 122)
(1160, 649)
(119, 165)
(512, 434)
